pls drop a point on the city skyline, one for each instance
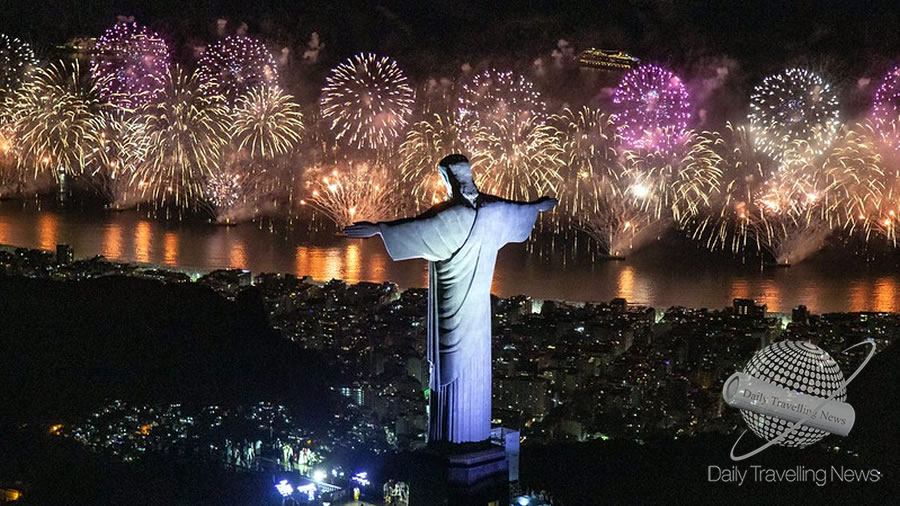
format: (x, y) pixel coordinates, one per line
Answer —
(608, 234)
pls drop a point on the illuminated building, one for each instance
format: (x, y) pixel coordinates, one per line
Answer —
(522, 393)
(79, 48)
(64, 254)
(747, 307)
(355, 393)
(800, 314)
(607, 59)
(10, 494)
(509, 440)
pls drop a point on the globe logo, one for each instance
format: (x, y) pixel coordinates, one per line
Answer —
(792, 394)
(796, 366)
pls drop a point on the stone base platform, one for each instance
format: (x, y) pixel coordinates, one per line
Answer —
(464, 475)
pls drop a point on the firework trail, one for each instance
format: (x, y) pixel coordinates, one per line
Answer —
(14, 180)
(185, 133)
(790, 224)
(9, 175)
(515, 154)
(787, 219)
(791, 107)
(649, 192)
(591, 194)
(367, 100)
(234, 65)
(653, 108)
(741, 171)
(132, 61)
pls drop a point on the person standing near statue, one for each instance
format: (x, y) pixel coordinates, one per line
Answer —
(460, 238)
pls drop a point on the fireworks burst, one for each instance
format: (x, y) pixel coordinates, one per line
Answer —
(501, 122)
(185, 134)
(593, 198)
(234, 65)
(741, 171)
(590, 154)
(614, 220)
(795, 105)
(239, 192)
(780, 212)
(9, 176)
(886, 108)
(517, 157)
(861, 191)
(674, 184)
(653, 108)
(436, 96)
(54, 120)
(494, 96)
(132, 61)
(787, 222)
(426, 143)
(17, 61)
(267, 122)
(368, 100)
(123, 144)
(351, 192)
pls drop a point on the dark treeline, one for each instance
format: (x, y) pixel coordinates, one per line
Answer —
(59, 471)
(66, 347)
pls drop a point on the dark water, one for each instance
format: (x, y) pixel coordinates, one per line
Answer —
(670, 272)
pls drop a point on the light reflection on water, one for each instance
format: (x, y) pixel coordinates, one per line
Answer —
(661, 276)
(170, 249)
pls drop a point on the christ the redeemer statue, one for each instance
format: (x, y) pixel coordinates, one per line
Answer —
(460, 239)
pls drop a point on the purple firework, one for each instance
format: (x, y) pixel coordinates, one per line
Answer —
(652, 108)
(130, 64)
(235, 64)
(886, 106)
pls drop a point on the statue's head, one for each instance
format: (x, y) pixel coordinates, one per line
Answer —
(457, 175)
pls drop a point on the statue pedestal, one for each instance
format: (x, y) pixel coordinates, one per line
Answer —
(455, 475)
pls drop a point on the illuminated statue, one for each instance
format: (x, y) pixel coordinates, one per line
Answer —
(460, 239)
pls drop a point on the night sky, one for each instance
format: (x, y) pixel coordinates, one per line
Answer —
(844, 41)
(678, 31)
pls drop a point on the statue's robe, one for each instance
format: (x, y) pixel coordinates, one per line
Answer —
(460, 243)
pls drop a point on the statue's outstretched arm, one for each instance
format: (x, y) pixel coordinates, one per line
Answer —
(520, 218)
(433, 235)
(362, 230)
(365, 229)
(545, 203)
